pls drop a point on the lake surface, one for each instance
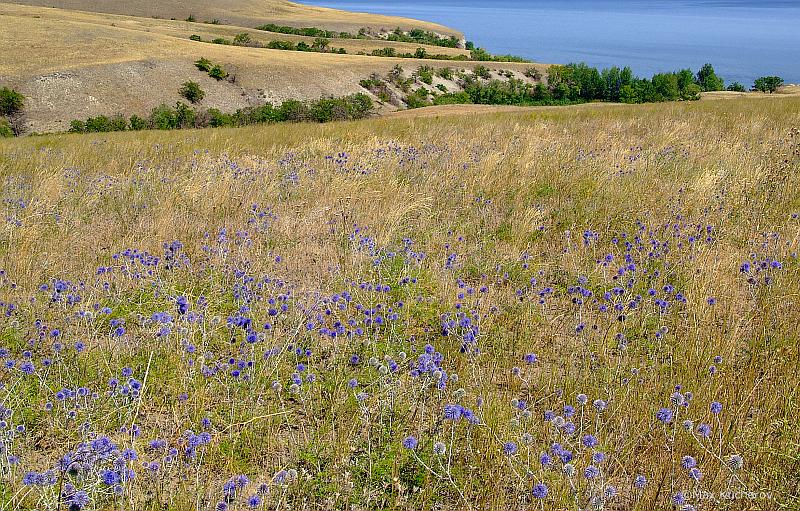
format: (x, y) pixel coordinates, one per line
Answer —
(742, 39)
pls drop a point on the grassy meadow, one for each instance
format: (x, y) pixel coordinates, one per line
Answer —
(573, 308)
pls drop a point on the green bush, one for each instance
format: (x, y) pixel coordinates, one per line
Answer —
(221, 40)
(736, 87)
(195, 37)
(77, 126)
(5, 129)
(192, 92)
(11, 101)
(445, 73)
(242, 39)
(217, 72)
(204, 64)
(454, 98)
(481, 72)
(425, 74)
(136, 123)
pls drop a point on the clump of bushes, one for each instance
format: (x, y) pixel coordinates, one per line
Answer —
(425, 74)
(420, 36)
(214, 70)
(320, 45)
(192, 92)
(182, 116)
(308, 31)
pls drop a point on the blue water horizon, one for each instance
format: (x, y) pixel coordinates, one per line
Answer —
(743, 39)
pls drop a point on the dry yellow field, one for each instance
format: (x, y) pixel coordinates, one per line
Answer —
(556, 309)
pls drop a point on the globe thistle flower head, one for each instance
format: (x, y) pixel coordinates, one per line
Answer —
(735, 462)
(410, 442)
(439, 449)
(540, 490)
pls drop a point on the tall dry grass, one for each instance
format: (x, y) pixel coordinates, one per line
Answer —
(493, 201)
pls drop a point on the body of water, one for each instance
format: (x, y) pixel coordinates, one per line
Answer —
(742, 39)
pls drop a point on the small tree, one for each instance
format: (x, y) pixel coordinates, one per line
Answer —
(11, 101)
(192, 92)
(708, 80)
(768, 84)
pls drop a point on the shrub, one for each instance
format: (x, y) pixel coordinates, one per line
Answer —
(195, 37)
(242, 39)
(736, 87)
(11, 101)
(5, 129)
(425, 74)
(217, 72)
(281, 45)
(445, 73)
(454, 98)
(481, 72)
(136, 123)
(191, 18)
(192, 92)
(533, 73)
(204, 64)
(220, 40)
(77, 126)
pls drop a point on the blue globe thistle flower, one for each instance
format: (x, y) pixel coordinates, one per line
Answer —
(510, 448)
(589, 440)
(439, 448)
(640, 481)
(716, 407)
(78, 500)
(410, 442)
(688, 462)
(453, 412)
(704, 430)
(664, 415)
(591, 472)
(540, 490)
(695, 474)
(254, 501)
(610, 492)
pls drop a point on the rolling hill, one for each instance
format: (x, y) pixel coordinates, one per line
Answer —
(73, 64)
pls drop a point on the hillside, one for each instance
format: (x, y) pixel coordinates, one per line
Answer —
(563, 308)
(245, 13)
(74, 65)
